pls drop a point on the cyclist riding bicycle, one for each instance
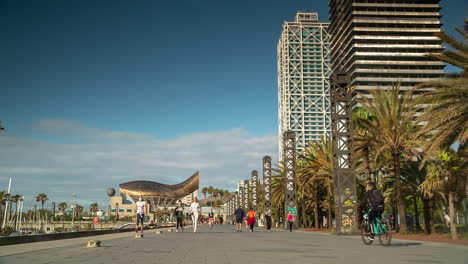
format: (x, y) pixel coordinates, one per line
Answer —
(375, 200)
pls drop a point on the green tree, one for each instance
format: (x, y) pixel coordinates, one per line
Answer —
(364, 140)
(218, 204)
(278, 186)
(62, 207)
(450, 170)
(78, 210)
(42, 197)
(446, 118)
(394, 112)
(204, 191)
(93, 208)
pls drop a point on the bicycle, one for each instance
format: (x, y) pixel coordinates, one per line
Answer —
(380, 227)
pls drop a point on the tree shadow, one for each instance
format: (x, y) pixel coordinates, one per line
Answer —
(404, 244)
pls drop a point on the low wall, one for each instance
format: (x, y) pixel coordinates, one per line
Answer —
(4, 241)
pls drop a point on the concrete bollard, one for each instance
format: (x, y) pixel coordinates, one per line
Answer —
(159, 232)
(169, 230)
(93, 243)
(139, 235)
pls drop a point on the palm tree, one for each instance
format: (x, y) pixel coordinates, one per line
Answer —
(62, 207)
(319, 168)
(42, 197)
(278, 186)
(78, 210)
(447, 116)
(364, 140)
(449, 170)
(413, 176)
(204, 191)
(93, 208)
(218, 204)
(394, 131)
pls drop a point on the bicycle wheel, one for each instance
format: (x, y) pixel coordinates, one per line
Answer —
(365, 235)
(386, 237)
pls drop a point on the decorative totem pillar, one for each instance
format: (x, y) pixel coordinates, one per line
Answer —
(241, 196)
(289, 158)
(247, 193)
(237, 200)
(342, 138)
(267, 184)
(254, 188)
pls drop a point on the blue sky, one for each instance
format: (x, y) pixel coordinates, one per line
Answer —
(95, 93)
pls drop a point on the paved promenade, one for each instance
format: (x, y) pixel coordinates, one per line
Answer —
(225, 245)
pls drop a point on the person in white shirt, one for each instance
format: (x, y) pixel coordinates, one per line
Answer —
(195, 211)
(140, 207)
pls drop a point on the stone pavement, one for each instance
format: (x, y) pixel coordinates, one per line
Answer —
(225, 245)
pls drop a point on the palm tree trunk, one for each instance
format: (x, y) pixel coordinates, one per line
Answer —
(453, 226)
(427, 216)
(304, 219)
(400, 199)
(316, 208)
(367, 170)
(330, 205)
(416, 213)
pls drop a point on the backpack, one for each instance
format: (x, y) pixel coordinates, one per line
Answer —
(251, 214)
(377, 199)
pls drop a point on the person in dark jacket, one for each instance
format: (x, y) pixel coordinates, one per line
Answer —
(239, 215)
(375, 200)
(268, 220)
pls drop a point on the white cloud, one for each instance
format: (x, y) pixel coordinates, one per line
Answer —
(105, 159)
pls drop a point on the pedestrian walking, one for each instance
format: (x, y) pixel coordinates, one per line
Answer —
(239, 214)
(251, 219)
(179, 213)
(221, 220)
(211, 218)
(140, 207)
(268, 220)
(195, 211)
(290, 220)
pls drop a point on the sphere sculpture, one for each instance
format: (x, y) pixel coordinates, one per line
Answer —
(111, 192)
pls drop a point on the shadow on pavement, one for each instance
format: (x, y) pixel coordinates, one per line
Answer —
(405, 244)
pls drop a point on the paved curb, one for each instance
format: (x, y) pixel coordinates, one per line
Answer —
(6, 241)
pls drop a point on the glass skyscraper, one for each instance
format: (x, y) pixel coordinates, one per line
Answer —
(303, 79)
(381, 42)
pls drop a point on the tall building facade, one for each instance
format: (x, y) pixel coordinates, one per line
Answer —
(303, 79)
(381, 42)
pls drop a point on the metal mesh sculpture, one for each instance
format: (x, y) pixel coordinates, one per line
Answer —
(267, 184)
(289, 158)
(342, 137)
(254, 190)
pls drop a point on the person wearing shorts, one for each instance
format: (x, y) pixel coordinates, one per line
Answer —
(239, 214)
(211, 218)
(140, 207)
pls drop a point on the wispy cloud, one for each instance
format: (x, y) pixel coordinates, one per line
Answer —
(105, 159)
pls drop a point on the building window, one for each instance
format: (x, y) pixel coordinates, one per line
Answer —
(121, 210)
(129, 210)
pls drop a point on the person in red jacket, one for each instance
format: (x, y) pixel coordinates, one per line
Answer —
(251, 219)
(290, 220)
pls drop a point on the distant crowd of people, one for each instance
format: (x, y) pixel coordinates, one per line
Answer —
(241, 217)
